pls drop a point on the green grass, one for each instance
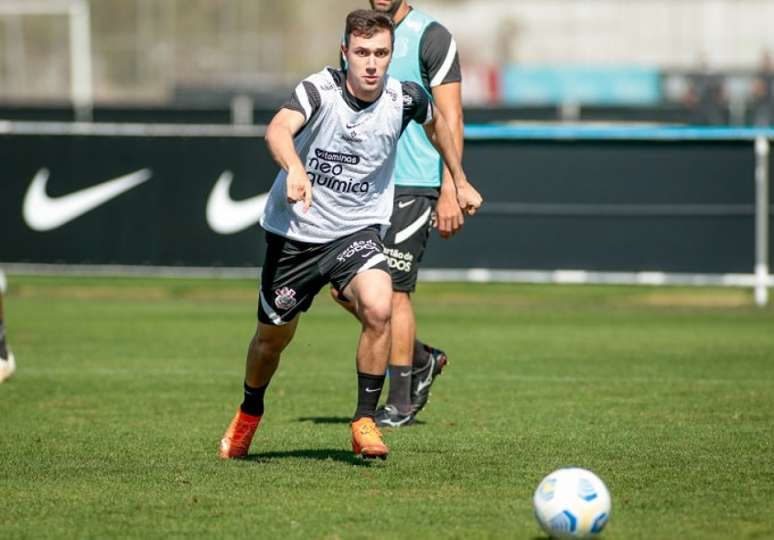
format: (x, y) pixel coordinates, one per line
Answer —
(110, 427)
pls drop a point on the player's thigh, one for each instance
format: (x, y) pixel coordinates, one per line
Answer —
(357, 267)
(406, 239)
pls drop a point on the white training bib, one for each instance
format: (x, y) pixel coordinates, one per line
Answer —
(349, 157)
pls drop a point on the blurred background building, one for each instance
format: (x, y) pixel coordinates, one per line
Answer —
(687, 61)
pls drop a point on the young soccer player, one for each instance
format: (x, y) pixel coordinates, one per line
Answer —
(335, 142)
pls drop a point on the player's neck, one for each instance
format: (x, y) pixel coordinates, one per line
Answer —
(403, 10)
(363, 95)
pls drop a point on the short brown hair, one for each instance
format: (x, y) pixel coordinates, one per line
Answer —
(367, 22)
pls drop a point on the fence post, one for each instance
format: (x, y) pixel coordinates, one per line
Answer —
(761, 220)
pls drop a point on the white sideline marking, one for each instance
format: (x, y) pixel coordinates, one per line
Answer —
(477, 275)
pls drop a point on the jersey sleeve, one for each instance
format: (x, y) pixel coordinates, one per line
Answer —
(417, 105)
(305, 99)
(439, 57)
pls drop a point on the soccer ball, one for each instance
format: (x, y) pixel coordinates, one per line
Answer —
(572, 503)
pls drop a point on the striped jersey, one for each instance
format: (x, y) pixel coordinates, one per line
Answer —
(348, 150)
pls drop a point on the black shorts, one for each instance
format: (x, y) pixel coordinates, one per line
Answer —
(405, 241)
(294, 272)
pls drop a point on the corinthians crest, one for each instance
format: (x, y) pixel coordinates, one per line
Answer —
(286, 298)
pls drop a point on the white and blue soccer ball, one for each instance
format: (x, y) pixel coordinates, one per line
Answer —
(572, 503)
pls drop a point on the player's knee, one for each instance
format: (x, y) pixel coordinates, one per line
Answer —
(376, 315)
(270, 345)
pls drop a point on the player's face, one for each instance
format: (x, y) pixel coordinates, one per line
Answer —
(386, 6)
(368, 60)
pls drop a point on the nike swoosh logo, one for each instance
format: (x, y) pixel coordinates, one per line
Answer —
(407, 374)
(404, 204)
(372, 390)
(351, 126)
(44, 213)
(396, 423)
(227, 216)
(406, 233)
(428, 380)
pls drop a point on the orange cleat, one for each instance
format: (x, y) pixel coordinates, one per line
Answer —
(236, 441)
(367, 439)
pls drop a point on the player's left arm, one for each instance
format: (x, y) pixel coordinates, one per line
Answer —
(418, 107)
(439, 133)
(448, 100)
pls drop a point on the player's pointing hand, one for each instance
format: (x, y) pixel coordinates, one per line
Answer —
(299, 188)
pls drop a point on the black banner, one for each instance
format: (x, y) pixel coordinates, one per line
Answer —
(161, 221)
(196, 200)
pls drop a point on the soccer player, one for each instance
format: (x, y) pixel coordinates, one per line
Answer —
(335, 142)
(426, 54)
(7, 361)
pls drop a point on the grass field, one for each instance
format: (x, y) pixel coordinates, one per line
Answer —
(110, 427)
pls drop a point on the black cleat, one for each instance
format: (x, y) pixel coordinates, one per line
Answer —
(422, 378)
(390, 416)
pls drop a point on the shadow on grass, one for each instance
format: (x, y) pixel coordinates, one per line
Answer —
(320, 454)
(326, 419)
(338, 420)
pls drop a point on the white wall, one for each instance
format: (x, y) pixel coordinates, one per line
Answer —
(666, 33)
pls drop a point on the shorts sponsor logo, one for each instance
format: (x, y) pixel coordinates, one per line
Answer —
(408, 101)
(399, 260)
(285, 298)
(326, 169)
(365, 248)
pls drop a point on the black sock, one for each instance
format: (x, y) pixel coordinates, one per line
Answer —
(253, 402)
(3, 349)
(400, 388)
(421, 355)
(369, 388)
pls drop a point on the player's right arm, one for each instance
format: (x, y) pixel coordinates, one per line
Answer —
(279, 138)
(291, 118)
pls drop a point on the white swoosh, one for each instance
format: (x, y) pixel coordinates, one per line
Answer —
(428, 380)
(404, 204)
(44, 213)
(227, 216)
(414, 227)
